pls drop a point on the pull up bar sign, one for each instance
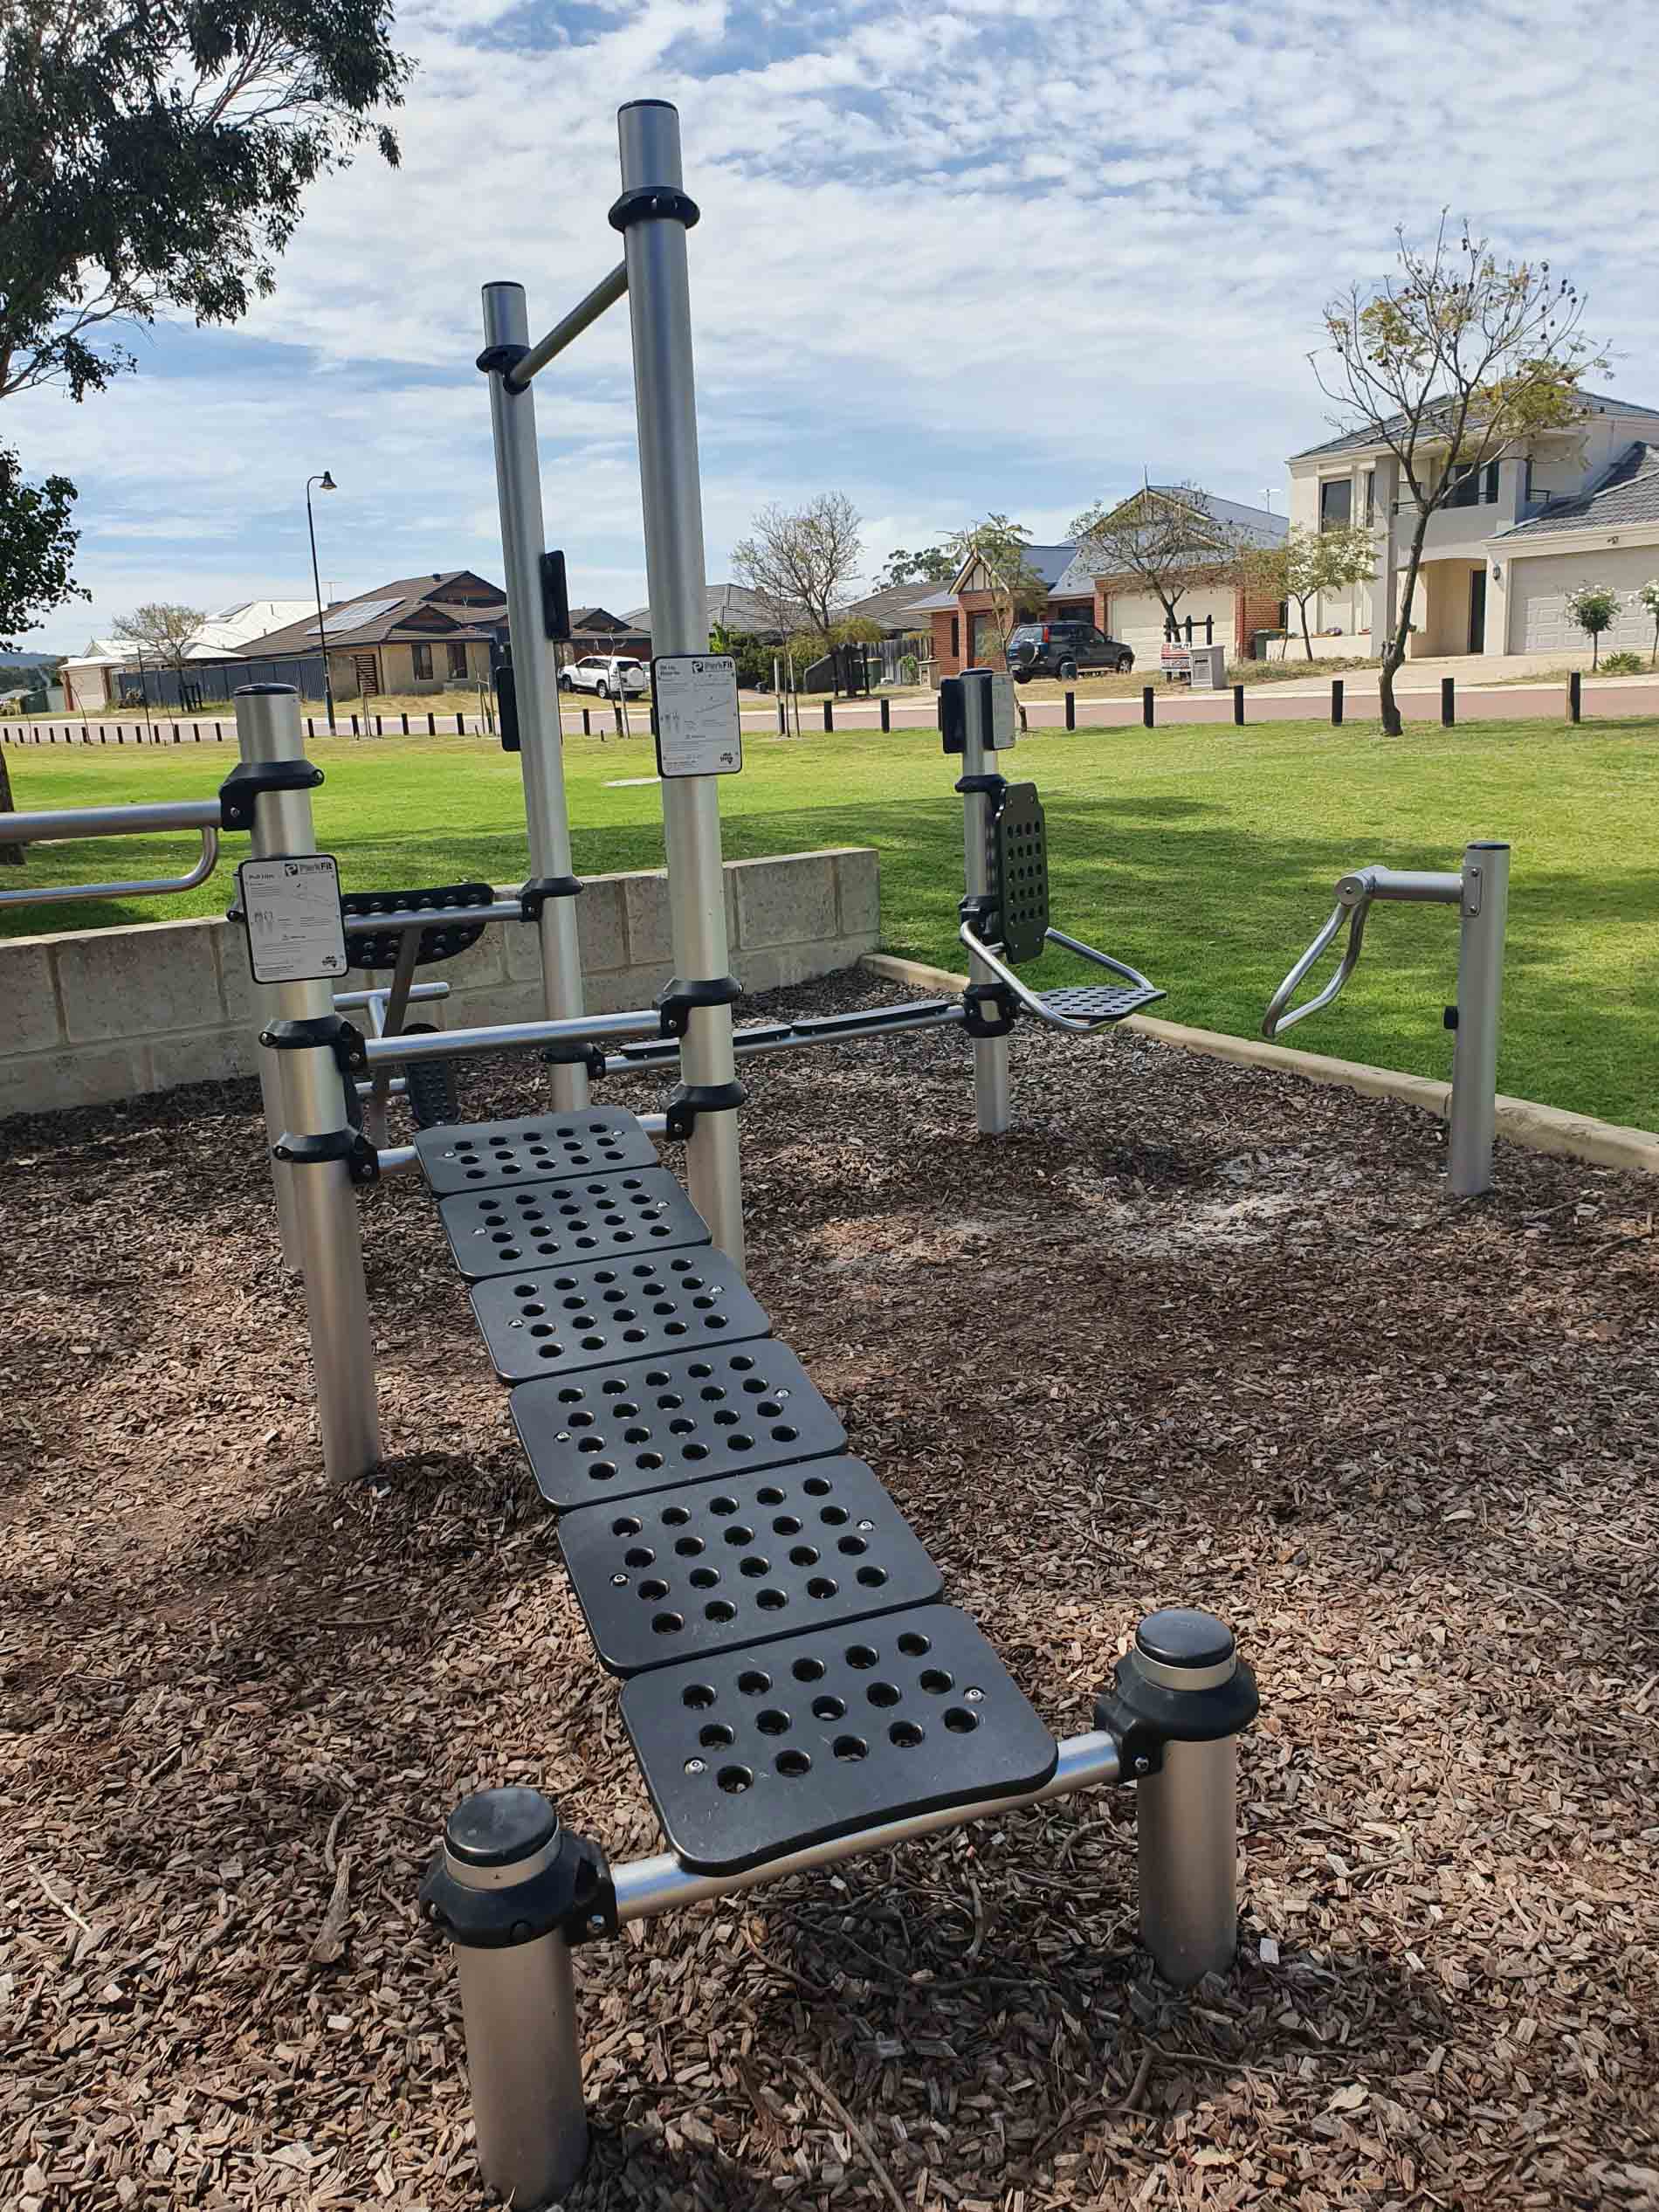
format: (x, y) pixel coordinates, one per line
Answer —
(291, 910)
(695, 715)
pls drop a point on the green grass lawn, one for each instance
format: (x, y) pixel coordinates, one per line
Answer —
(1205, 855)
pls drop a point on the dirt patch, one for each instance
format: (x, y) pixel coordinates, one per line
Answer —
(1192, 1333)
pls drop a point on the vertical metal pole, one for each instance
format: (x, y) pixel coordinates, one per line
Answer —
(266, 1011)
(1484, 909)
(665, 397)
(517, 480)
(327, 1233)
(990, 1053)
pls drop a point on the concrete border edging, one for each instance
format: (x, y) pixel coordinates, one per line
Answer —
(1522, 1122)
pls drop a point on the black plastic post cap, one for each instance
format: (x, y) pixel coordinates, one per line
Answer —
(499, 1827)
(1182, 1636)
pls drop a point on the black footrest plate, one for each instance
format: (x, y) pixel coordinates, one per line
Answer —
(619, 1431)
(1102, 1002)
(558, 1321)
(752, 1754)
(539, 1148)
(584, 1217)
(717, 1566)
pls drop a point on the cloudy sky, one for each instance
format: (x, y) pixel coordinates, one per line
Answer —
(1001, 257)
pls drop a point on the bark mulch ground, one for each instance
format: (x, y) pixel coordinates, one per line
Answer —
(1191, 1333)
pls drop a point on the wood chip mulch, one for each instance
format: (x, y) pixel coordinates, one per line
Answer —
(1191, 1333)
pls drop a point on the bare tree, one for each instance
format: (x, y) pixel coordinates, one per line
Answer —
(799, 564)
(162, 629)
(1451, 363)
(1165, 536)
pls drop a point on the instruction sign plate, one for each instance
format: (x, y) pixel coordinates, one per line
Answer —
(696, 717)
(290, 911)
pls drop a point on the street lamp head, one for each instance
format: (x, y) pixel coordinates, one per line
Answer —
(326, 483)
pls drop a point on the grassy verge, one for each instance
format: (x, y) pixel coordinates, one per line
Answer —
(1206, 856)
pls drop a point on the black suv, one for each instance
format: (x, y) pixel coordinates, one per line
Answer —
(1062, 648)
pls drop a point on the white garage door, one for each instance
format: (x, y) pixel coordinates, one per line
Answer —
(1538, 588)
(1137, 618)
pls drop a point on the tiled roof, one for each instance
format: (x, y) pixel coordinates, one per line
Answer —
(1356, 441)
(1626, 492)
(892, 607)
(371, 617)
(729, 605)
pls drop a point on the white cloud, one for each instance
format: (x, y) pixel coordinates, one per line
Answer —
(993, 258)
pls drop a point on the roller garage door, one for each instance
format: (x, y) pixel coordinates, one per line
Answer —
(1539, 622)
(1136, 618)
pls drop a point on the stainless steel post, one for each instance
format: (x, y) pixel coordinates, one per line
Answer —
(312, 1090)
(535, 677)
(990, 1053)
(1484, 909)
(660, 315)
(266, 1011)
(1184, 1684)
(518, 1993)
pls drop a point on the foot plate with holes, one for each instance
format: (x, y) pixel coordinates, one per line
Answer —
(1102, 1002)
(541, 1148)
(715, 1565)
(617, 1431)
(585, 1218)
(558, 1321)
(752, 1754)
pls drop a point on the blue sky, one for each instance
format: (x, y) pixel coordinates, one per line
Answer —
(1001, 258)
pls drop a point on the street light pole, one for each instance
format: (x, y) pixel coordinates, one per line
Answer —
(326, 483)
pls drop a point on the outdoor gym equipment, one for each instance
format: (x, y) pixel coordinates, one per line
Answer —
(1480, 892)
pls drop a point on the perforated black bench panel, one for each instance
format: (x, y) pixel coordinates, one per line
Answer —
(749, 1755)
(617, 1431)
(367, 947)
(585, 1218)
(1102, 1002)
(713, 1566)
(540, 1147)
(557, 1321)
(1020, 862)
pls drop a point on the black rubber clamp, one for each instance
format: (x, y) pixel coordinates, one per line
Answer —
(994, 786)
(326, 1032)
(248, 779)
(573, 1893)
(362, 1161)
(535, 894)
(675, 1000)
(981, 910)
(687, 1100)
(648, 201)
(1449, 1017)
(978, 995)
(574, 1053)
(1144, 1716)
(505, 357)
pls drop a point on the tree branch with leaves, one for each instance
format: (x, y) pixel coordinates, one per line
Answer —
(163, 629)
(1001, 548)
(1167, 539)
(1319, 561)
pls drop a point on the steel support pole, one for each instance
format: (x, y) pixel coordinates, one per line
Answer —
(1484, 909)
(665, 402)
(990, 1053)
(249, 730)
(535, 677)
(313, 1092)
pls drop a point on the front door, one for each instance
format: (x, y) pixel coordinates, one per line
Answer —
(366, 669)
(1478, 609)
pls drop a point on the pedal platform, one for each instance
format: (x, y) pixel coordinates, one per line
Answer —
(587, 1217)
(559, 1320)
(1020, 872)
(1102, 1002)
(620, 1431)
(539, 1148)
(713, 1565)
(752, 1754)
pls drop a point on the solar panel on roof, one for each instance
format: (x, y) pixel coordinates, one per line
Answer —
(355, 617)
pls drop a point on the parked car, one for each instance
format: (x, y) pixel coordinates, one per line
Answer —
(611, 675)
(1062, 648)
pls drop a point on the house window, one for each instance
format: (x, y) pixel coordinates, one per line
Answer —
(956, 637)
(1526, 481)
(1472, 485)
(1336, 502)
(458, 659)
(1490, 494)
(1371, 497)
(422, 663)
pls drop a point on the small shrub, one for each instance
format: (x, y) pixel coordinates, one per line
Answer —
(1622, 664)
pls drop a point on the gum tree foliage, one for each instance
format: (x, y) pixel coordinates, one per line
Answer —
(799, 562)
(36, 548)
(1450, 363)
(163, 629)
(1593, 608)
(1317, 561)
(1165, 536)
(1001, 548)
(928, 564)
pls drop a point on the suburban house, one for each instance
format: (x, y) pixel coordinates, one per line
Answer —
(595, 629)
(1578, 505)
(1077, 588)
(94, 677)
(417, 634)
(739, 613)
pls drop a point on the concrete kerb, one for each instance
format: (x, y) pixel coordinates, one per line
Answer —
(1522, 1122)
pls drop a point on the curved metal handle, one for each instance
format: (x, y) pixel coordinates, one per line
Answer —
(142, 887)
(1030, 999)
(1354, 901)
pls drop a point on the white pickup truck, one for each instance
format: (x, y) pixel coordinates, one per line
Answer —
(611, 675)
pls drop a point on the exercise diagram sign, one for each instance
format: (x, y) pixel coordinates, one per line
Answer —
(290, 911)
(698, 730)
